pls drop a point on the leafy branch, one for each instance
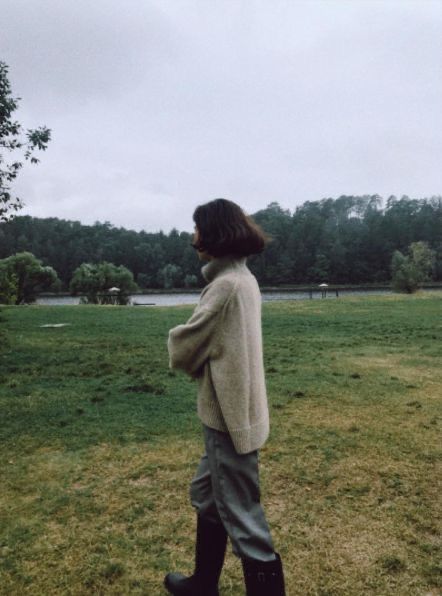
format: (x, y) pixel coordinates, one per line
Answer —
(19, 144)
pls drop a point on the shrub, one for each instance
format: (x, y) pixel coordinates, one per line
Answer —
(190, 281)
(409, 272)
(22, 276)
(8, 285)
(170, 276)
(94, 280)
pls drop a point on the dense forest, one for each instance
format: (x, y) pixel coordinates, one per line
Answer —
(348, 240)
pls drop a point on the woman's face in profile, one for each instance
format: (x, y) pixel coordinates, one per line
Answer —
(202, 255)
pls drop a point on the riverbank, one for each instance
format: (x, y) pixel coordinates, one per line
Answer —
(176, 298)
(100, 439)
(279, 288)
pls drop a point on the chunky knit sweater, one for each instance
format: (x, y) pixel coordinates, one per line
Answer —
(221, 346)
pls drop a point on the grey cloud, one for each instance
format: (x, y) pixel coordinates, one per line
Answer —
(161, 105)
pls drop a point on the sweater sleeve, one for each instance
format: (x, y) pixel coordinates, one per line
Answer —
(190, 344)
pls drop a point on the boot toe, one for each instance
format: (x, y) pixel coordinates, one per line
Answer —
(174, 581)
(180, 585)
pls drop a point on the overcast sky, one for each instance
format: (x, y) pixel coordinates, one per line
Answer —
(157, 106)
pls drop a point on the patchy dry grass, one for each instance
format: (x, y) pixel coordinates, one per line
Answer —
(99, 442)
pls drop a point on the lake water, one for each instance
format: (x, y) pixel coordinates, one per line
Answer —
(176, 299)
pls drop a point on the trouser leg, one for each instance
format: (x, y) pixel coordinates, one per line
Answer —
(211, 541)
(201, 493)
(226, 489)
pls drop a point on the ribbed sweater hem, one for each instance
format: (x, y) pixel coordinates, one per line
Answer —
(245, 440)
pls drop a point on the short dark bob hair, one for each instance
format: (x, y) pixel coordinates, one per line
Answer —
(224, 229)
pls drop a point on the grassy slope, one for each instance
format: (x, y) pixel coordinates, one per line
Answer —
(99, 442)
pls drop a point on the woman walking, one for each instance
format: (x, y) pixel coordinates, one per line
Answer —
(221, 346)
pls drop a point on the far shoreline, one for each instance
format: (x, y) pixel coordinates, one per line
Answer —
(280, 288)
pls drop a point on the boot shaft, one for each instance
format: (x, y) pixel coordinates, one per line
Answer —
(264, 578)
(210, 549)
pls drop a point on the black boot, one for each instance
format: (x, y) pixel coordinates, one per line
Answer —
(211, 542)
(264, 578)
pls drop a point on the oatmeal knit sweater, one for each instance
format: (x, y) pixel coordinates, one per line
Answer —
(221, 346)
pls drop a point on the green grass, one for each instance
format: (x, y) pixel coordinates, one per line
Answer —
(99, 441)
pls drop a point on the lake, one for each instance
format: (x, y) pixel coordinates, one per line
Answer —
(174, 299)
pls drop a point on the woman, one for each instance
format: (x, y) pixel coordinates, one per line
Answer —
(221, 346)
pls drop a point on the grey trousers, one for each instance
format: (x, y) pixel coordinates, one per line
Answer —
(225, 490)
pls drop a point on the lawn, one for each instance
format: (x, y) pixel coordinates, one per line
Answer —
(99, 441)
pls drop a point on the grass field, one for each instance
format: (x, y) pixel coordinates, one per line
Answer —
(99, 441)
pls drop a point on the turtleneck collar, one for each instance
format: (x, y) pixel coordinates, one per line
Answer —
(219, 264)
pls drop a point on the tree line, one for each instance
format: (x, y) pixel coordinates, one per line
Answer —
(348, 240)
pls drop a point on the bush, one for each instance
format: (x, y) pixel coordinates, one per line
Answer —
(170, 276)
(190, 281)
(22, 276)
(409, 272)
(95, 281)
(8, 285)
